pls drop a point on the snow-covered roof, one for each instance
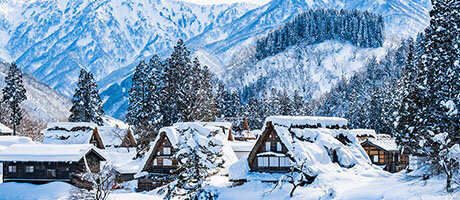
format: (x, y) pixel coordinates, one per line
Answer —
(122, 159)
(46, 152)
(5, 129)
(111, 135)
(69, 125)
(6, 141)
(307, 120)
(310, 145)
(66, 137)
(388, 144)
(363, 132)
(110, 121)
(242, 145)
(174, 134)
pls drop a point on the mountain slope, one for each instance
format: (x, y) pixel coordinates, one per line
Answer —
(402, 18)
(54, 39)
(226, 48)
(43, 104)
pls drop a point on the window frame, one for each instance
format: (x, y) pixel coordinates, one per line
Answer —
(29, 169)
(11, 167)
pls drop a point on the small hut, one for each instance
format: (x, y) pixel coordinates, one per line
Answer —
(384, 152)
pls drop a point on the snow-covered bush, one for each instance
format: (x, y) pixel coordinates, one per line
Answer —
(95, 186)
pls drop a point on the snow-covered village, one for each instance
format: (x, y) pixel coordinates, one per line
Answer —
(229, 99)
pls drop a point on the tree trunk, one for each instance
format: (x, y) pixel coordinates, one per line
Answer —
(292, 191)
(448, 182)
(14, 129)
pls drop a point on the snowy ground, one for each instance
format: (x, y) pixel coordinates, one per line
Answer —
(380, 185)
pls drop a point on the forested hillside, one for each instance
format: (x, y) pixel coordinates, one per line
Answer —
(362, 29)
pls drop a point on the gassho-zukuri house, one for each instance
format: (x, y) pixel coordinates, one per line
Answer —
(38, 163)
(87, 133)
(158, 166)
(323, 144)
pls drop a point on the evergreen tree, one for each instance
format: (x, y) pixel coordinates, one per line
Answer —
(139, 107)
(86, 102)
(436, 123)
(13, 94)
(410, 105)
(199, 157)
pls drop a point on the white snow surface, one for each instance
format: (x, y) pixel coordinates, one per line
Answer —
(46, 152)
(111, 136)
(66, 136)
(388, 144)
(289, 121)
(6, 141)
(5, 129)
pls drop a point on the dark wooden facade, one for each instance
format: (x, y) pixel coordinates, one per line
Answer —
(269, 153)
(160, 165)
(47, 171)
(392, 160)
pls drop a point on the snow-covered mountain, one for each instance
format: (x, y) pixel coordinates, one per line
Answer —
(224, 48)
(43, 104)
(54, 39)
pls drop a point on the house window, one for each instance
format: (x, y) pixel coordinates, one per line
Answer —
(155, 162)
(375, 158)
(12, 169)
(167, 151)
(262, 161)
(274, 162)
(29, 169)
(285, 162)
(278, 147)
(267, 146)
(167, 162)
(51, 172)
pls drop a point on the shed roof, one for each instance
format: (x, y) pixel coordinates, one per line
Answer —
(5, 129)
(47, 152)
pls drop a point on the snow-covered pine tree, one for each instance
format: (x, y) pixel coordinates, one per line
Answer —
(139, 106)
(86, 102)
(175, 79)
(142, 108)
(206, 105)
(13, 94)
(437, 90)
(410, 105)
(157, 90)
(220, 97)
(199, 157)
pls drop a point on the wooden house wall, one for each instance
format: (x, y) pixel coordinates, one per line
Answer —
(394, 160)
(269, 135)
(42, 171)
(159, 154)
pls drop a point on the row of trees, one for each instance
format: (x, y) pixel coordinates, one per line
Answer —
(412, 93)
(363, 29)
(177, 89)
(429, 117)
